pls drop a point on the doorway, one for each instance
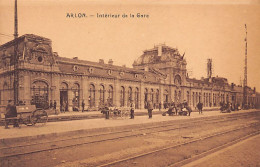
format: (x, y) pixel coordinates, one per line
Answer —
(63, 100)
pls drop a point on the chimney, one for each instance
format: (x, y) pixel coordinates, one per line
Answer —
(110, 62)
(159, 50)
(101, 61)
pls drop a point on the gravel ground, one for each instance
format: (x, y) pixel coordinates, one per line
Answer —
(243, 154)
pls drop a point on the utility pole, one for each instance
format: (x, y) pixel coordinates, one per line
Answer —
(16, 57)
(245, 74)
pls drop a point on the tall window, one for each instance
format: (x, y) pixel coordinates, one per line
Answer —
(196, 98)
(179, 96)
(122, 96)
(75, 100)
(165, 96)
(101, 95)
(210, 101)
(188, 97)
(91, 95)
(40, 96)
(152, 96)
(5, 92)
(193, 99)
(145, 97)
(157, 96)
(175, 96)
(207, 99)
(110, 95)
(130, 95)
(204, 98)
(136, 98)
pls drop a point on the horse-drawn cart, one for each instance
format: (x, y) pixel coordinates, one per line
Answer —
(116, 112)
(119, 112)
(29, 115)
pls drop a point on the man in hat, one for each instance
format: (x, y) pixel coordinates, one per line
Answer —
(150, 109)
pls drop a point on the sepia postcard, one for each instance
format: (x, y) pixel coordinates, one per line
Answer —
(129, 82)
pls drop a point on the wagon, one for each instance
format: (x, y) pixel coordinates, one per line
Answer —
(29, 115)
(119, 112)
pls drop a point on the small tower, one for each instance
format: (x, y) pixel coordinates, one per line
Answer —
(209, 68)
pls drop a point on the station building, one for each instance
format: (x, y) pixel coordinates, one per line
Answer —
(159, 75)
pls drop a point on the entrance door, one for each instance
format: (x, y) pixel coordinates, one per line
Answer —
(64, 100)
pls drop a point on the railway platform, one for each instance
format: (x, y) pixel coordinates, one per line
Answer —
(52, 129)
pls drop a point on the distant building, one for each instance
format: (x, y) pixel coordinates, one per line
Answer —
(158, 75)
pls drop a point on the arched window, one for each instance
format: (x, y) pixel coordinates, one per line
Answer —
(157, 96)
(130, 96)
(179, 96)
(40, 94)
(152, 96)
(5, 92)
(64, 86)
(145, 97)
(177, 80)
(91, 98)
(188, 97)
(210, 100)
(196, 98)
(175, 96)
(64, 96)
(101, 95)
(122, 96)
(204, 99)
(165, 96)
(193, 99)
(110, 95)
(136, 98)
(75, 101)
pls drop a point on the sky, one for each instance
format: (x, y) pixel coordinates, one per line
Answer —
(202, 29)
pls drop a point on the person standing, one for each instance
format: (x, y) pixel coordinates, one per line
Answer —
(150, 109)
(83, 105)
(51, 104)
(160, 106)
(200, 106)
(10, 112)
(187, 107)
(132, 110)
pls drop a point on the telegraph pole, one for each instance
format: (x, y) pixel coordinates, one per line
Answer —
(245, 74)
(16, 57)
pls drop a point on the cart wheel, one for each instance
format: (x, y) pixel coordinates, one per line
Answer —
(30, 121)
(40, 117)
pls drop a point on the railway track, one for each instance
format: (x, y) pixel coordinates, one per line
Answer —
(141, 159)
(20, 150)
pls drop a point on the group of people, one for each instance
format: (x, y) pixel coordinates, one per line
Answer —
(177, 109)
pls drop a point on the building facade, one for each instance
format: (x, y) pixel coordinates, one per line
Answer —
(159, 75)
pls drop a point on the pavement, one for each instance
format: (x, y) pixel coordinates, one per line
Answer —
(244, 153)
(53, 129)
